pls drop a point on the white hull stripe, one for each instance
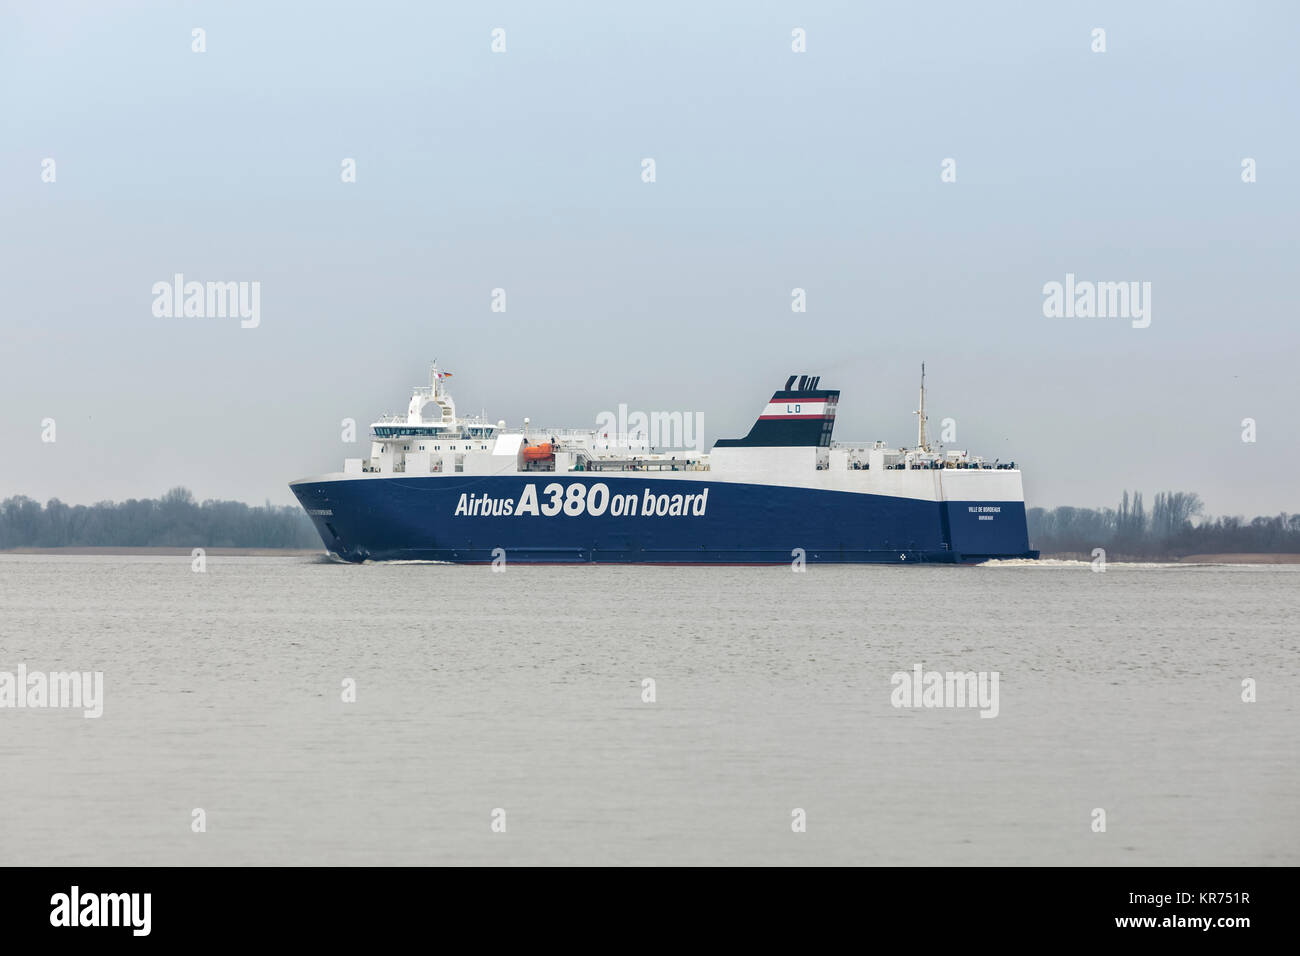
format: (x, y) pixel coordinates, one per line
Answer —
(812, 408)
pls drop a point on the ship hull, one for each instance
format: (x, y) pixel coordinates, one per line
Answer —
(480, 519)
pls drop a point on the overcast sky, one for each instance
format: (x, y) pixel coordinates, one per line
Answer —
(774, 170)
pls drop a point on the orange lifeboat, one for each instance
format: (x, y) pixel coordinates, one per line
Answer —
(539, 452)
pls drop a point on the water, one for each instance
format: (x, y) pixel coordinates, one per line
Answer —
(522, 690)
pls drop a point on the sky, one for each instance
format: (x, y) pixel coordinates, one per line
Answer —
(774, 170)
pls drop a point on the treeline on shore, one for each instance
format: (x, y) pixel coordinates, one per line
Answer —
(174, 520)
(1174, 526)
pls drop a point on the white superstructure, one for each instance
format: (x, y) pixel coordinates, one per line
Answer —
(433, 439)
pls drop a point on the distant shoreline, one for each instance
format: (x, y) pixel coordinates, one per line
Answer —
(1281, 557)
(167, 551)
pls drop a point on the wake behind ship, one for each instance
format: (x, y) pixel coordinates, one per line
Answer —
(445, 488)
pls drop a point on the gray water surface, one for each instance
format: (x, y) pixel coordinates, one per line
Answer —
(522, 690)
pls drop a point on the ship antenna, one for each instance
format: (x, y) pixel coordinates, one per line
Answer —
(921, 441)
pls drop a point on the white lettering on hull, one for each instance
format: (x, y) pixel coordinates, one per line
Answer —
(578, 499)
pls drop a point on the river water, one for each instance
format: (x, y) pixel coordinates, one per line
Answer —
(523, 692)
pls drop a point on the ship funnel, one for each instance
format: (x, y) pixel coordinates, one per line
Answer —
(802, 415)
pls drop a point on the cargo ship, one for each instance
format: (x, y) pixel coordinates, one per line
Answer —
(438, 486)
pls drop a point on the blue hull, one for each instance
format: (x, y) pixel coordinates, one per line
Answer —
(416, 518)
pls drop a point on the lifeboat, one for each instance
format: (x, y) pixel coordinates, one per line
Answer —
(539, 452)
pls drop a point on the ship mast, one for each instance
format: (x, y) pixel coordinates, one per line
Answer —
(921, 441)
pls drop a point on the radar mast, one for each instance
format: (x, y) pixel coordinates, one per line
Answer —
(921, 441)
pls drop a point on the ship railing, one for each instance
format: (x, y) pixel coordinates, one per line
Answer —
(475, 422)
(640, 464)
(401, 420)
(566, 434)
(950, 466)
